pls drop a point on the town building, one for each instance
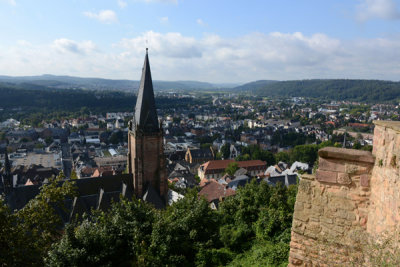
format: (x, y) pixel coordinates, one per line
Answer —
(199, 155)
(215, 169)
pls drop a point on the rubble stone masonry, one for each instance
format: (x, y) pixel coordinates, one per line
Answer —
(352, 192)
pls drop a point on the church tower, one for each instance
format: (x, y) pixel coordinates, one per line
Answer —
(146, 161)
(7, 176)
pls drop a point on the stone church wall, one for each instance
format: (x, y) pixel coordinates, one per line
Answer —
(352, 193)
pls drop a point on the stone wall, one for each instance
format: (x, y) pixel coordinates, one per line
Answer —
(329, 205)
(352, 193)
(384, 212)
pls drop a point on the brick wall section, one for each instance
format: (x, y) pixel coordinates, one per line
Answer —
(384, 212)
(330, 205)
(147, 163)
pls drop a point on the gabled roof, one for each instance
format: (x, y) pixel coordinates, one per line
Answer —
(151, 196)
(145, 111)
(222, 164)
(215, 191)
(201, 153)
(283, 179)
(92, 193)
(240, 180)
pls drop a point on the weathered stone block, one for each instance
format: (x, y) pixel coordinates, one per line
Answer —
(356, 168)
(364, 180)
(346, 154)
(298, 206)
(296, 262)
(326, 220)
(341, 213)
(331, 165)
(301, 216)
(326, 176)
(343, 178)
(338, 229)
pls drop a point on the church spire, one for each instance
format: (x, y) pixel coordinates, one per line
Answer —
(7, 165)
(7, 177)
(145, 111)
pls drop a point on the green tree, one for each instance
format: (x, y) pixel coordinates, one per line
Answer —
(27, 235)
(205, 145)
(184, 233)
(232, 168)
(119, 237)
(116, 137)
(73, 175)
(305, 153)
(256, 223)
(226, 150)
(282, 156)
(48, 140)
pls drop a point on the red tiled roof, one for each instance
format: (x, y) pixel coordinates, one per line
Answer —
(87, 170)
(222, 164)
(356, 124)
(205, 181)
(214, 190)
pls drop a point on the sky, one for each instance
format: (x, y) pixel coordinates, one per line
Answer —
(219, 41)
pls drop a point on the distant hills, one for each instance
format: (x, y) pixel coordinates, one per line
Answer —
(330, 89)
(253, 86)
(70, 82)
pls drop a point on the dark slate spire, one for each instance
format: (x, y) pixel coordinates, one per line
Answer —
(7, 165)
(7, 177)
(145, 111)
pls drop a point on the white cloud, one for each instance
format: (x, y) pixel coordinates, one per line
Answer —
(173, 56)
(172, 44)
(105, 16)
(164, 20)
(11, 2)
(122, 4)
(201, 22)
(69, 46)
(23, 43)
(381, 9)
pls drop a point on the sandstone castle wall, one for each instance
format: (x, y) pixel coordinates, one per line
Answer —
(352, 192)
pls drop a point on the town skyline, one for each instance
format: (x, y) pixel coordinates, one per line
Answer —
(212, 42)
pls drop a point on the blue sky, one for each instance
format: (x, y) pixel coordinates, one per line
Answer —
(207, 40)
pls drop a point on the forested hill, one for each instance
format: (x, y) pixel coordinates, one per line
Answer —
(70, 82)
(38, 103)
(335, 89)
(254, 85)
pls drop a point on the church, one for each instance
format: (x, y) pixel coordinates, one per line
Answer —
(146, 178)
(146, 160)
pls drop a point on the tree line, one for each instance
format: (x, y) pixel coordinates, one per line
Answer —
(250, 228)
(36, 104)
(371, 91)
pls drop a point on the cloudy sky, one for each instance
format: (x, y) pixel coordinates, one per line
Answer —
(206, 40)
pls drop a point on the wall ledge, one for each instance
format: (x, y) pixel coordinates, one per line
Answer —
(395, 125)
(347, 154)
(306, 176)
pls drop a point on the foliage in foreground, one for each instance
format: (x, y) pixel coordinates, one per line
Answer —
(27, 234)
(252, 227)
